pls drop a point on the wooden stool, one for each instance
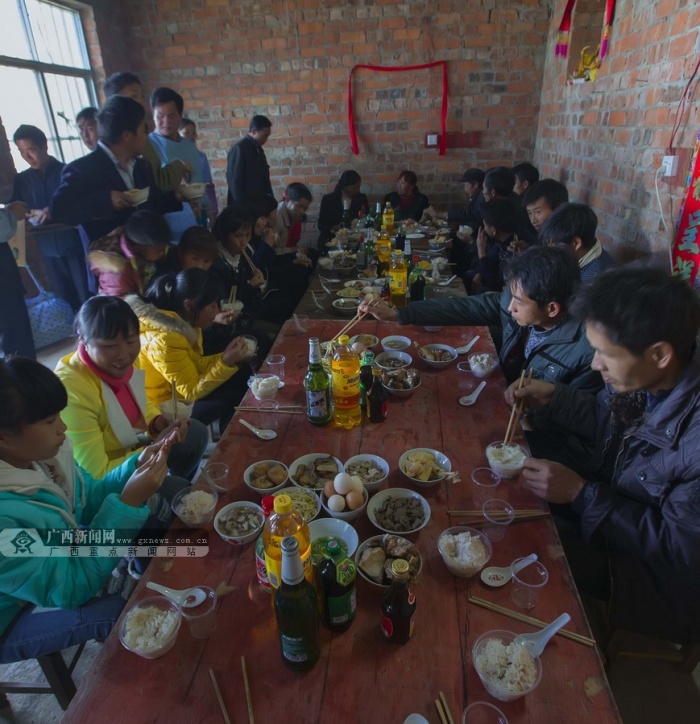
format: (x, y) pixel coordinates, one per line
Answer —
(686, 658)
(58, 677)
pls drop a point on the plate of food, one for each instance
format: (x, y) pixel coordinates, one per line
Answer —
(415, 235)
(348, 293)
(346, 306)
(424, 466)
(402, 382)
(305, 502)
(314, 470)
(437, 355)
(375, 556)
(398, 510)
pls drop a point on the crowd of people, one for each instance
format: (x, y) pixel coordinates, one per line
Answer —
(612, 407)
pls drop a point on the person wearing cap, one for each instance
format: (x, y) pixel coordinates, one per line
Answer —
(472, 181)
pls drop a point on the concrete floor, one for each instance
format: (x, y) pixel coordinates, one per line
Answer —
(647, 691)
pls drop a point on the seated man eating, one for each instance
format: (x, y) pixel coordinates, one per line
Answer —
(632, 533)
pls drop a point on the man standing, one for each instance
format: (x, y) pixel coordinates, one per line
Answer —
(632, 529)
(61, 250)
(93, 190)
(248, 172)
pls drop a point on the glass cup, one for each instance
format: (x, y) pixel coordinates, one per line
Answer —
(268, 417)
(275, 364)
(485, 482)
(202, 618)
(216, 474)
(466, 380)
(527, 583)
(499, 515)
(482, 712)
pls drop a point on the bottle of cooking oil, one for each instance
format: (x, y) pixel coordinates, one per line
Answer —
(345, 377)
(398, 279)
(388, 219)
(383, 252)
(285, 521)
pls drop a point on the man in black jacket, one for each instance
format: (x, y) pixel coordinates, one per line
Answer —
(247, 170)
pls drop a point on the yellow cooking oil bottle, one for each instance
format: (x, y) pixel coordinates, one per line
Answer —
(345, 379)
(283, 522)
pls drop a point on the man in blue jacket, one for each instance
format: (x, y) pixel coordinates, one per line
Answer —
(632, 529)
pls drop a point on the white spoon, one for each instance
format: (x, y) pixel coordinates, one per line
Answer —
(468, 346)
(185, 598)
(262, 434)
(497, 577)
(470, 399)
(447, 282)
(535, 642)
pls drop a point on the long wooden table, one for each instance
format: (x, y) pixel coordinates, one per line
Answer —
(360, 677)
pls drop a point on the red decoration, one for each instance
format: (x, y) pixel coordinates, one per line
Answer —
(564, 32)
(686, 247)
(395, 69)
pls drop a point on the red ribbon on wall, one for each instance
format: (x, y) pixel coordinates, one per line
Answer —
(564, 32)
(395, 69)
(686, 246)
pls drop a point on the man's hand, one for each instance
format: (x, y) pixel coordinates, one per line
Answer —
(173, 433)
(517, 245)
(380, 310)
(482, 241)
(432, 213)
(271, 238)
(148, 477)
(301, 259)
(19, 209)
(119, 200)
(235, 352)
(552, 481)
(257, 280)
(187, 173)
(536, 393)
(40, 216)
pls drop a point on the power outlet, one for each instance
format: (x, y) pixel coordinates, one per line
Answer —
(669, 166)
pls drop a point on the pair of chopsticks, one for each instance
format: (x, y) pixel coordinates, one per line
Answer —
(173, 395)
(482, 603)
(232, 294)
(523, 513)
(357, 318)
(517, 409)
(249, 698)
(443, 710)
(252, 266)
(279, 410)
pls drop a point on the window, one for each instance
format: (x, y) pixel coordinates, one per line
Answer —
(44, 73)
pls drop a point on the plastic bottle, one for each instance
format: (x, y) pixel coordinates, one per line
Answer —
(345, 373)
(398, 606)
(268, 505)
(377, 398)
(284, 522)
(366, 377)
(398, 279)
(318, 395)
(383, 252)
(337, 576)
(296, 611)
(388, 219)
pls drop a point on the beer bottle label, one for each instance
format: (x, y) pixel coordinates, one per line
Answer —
(294, 648)
(317, 403)
(387, 627)
(342, 608)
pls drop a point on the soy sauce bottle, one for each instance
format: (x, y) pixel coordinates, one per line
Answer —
(337, 576)
(377, 398)
(398, 606)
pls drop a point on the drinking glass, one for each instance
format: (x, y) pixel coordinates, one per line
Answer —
(527, 583)
(483, 712)
(485, 482)
(216, 475)
(275, 364)
(268, 417)
(499, 515)
(202, 618)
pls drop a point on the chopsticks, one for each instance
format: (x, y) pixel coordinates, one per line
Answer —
(173, 395)
(222, 706)
(357, 318)
(443, 710)
(279, 411)
(529, 619)
(232, 294)
(517, 409)
(524, 513)
(252, 266)
(248, 697)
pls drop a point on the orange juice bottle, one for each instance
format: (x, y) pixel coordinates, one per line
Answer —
(285, 521)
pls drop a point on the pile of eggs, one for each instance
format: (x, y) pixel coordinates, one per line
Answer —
(345, 492)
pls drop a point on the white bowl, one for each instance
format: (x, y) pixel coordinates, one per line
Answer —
(346, 306)
(137, 196)
(381, 360)
(432, 329)
(491, 683)
(439, 365)
(295, 493)
(377, 501)
(347, 514)
(194, 520)
(400, 393)
(363, 339)
(482, 364)
(440, 458)
(509, 469)
(395, 343)
(305, 460)
(238, 540)
(324, 527)
(458, 568)
(266, 392)
(163, 604)
(192, 192)
(372, 540)
(248, 478)
(381, 463)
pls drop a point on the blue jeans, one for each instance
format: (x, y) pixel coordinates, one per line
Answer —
(184, 458)
(36, 631)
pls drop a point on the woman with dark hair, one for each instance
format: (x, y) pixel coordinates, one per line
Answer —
(175, 309)
(108, 414)
(331, 213)
(407, 201)
(48, 603)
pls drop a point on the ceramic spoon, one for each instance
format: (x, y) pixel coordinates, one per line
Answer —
(468, 346)
(497, 577)
(535, 642)
(470, 399)
(186, 598)
(262, 434)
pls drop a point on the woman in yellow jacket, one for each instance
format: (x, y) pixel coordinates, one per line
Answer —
(175, 309)
(108, 416)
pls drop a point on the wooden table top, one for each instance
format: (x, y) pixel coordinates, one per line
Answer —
(360, 677)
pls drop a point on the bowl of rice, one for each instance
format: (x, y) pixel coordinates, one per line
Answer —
(506, 460)
(264, 385)
(149, 628)
(482, 365)
(465, 550)
(194, 507)
(240, 522)
(507, 669)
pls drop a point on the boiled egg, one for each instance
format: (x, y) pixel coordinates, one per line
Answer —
(358, 347)
(328, 489)
(354, 499)
(336, 503)
(343, 483)
(357, 483)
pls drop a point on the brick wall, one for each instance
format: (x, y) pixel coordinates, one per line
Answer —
(291, 60)
(606, 139)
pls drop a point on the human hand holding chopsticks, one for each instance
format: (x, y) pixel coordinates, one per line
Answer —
(552, 481)
(148, 477)
(380, 310)
(531, 392)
